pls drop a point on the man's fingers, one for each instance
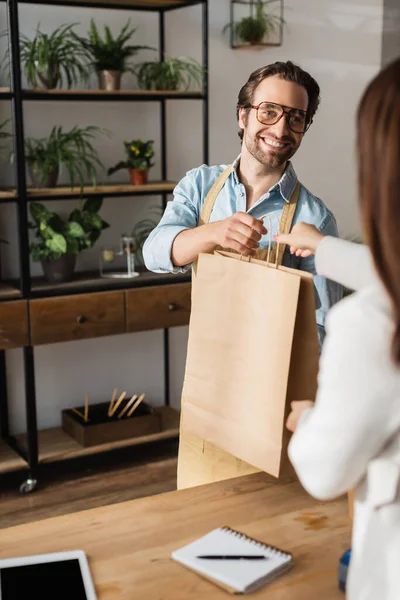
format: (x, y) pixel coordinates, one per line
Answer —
(243, 240)
(245, 231)
(252, 222)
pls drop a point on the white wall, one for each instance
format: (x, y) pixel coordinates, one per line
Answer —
(338, 42)
(391, 31)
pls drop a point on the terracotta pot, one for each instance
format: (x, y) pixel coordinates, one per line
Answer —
(59, 270)
(109, 80)
(138, 176)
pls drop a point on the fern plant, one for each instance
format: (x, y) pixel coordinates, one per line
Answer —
(258, 27)
(109, 53)
(55, 59)
(72, 150)
(170, 74)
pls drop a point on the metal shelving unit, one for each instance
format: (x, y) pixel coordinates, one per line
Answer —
(27, 446)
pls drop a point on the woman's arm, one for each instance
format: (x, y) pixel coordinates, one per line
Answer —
(353, 415)
(348, 263)
(345, 262)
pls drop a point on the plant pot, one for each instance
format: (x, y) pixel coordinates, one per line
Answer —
(48, 78)
(60, 269)
(138, 176)
(109, 80)
(50, 179)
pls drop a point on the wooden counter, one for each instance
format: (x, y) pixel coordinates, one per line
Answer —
(129, 544)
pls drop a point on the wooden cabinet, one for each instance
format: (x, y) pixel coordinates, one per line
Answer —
(158, 307)
(14, 324)
(77, 317)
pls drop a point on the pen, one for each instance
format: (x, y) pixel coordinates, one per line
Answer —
(233, 557)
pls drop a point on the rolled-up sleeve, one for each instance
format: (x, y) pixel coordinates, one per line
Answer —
(327, 292)
(180, 214)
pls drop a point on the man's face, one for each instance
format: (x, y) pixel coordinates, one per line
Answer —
(273, 145)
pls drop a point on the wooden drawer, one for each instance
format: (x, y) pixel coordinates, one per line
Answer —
(14, 324)
(76, 317)
(158, 307)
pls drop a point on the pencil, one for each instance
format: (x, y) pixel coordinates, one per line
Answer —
(112, 401)
(134, 407)
(129, 403)
(86, 407)
(118, 402)
(77, 412)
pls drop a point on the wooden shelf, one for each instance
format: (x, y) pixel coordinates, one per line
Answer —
(10, 460)
(9, 292)
(85, 282)
(152, 5)
(8, 196)
(258, 45)
(104, 95)
(115, 190)
(56, 445)
(5, 93)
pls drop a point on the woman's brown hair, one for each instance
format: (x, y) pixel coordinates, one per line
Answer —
(378, 142)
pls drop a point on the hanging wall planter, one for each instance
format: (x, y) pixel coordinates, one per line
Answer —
(255, 23)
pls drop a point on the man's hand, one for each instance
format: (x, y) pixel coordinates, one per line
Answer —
(303, 239)
(298, 407)
(240, 232)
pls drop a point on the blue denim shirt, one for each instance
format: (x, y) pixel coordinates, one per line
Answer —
(184, 211)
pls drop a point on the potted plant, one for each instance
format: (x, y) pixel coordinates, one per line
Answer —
(51, 60)
(72, 150)
(171, 74)
(109, 55)
(142, 229)
(59, 240)
(139, 155)
(257, 27)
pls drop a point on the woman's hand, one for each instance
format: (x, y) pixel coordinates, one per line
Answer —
(298, 407)
(303, 239)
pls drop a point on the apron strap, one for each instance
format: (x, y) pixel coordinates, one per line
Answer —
(211, 197)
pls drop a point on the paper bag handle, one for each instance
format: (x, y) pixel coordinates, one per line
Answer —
(268, 216)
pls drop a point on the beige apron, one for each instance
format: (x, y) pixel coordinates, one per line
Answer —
(199, 461)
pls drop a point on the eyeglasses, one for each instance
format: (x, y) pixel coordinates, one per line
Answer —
(269, 113)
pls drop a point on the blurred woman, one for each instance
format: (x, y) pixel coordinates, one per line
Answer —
(350, 438)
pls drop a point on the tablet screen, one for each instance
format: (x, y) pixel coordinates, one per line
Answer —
(49, 580)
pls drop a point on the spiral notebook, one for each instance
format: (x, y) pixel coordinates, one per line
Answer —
(233, 560)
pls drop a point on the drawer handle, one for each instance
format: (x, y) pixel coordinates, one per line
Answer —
(172, 306)
(81, 319)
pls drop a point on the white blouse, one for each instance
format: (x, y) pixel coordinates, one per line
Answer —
(351, 439)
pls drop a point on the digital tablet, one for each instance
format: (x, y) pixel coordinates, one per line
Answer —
(47, 576)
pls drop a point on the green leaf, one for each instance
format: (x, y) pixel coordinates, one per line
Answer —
(93, 204)
(73, 245)
(74, 229)
(57, 243)
(39, 212)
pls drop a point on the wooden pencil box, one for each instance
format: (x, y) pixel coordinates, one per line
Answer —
(101, 428)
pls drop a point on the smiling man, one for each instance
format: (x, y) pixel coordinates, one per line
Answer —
(220, 206)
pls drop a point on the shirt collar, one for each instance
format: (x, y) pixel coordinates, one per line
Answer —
(286, 184)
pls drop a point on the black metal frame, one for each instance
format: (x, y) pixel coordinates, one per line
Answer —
(18, 96)
(251, 5)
